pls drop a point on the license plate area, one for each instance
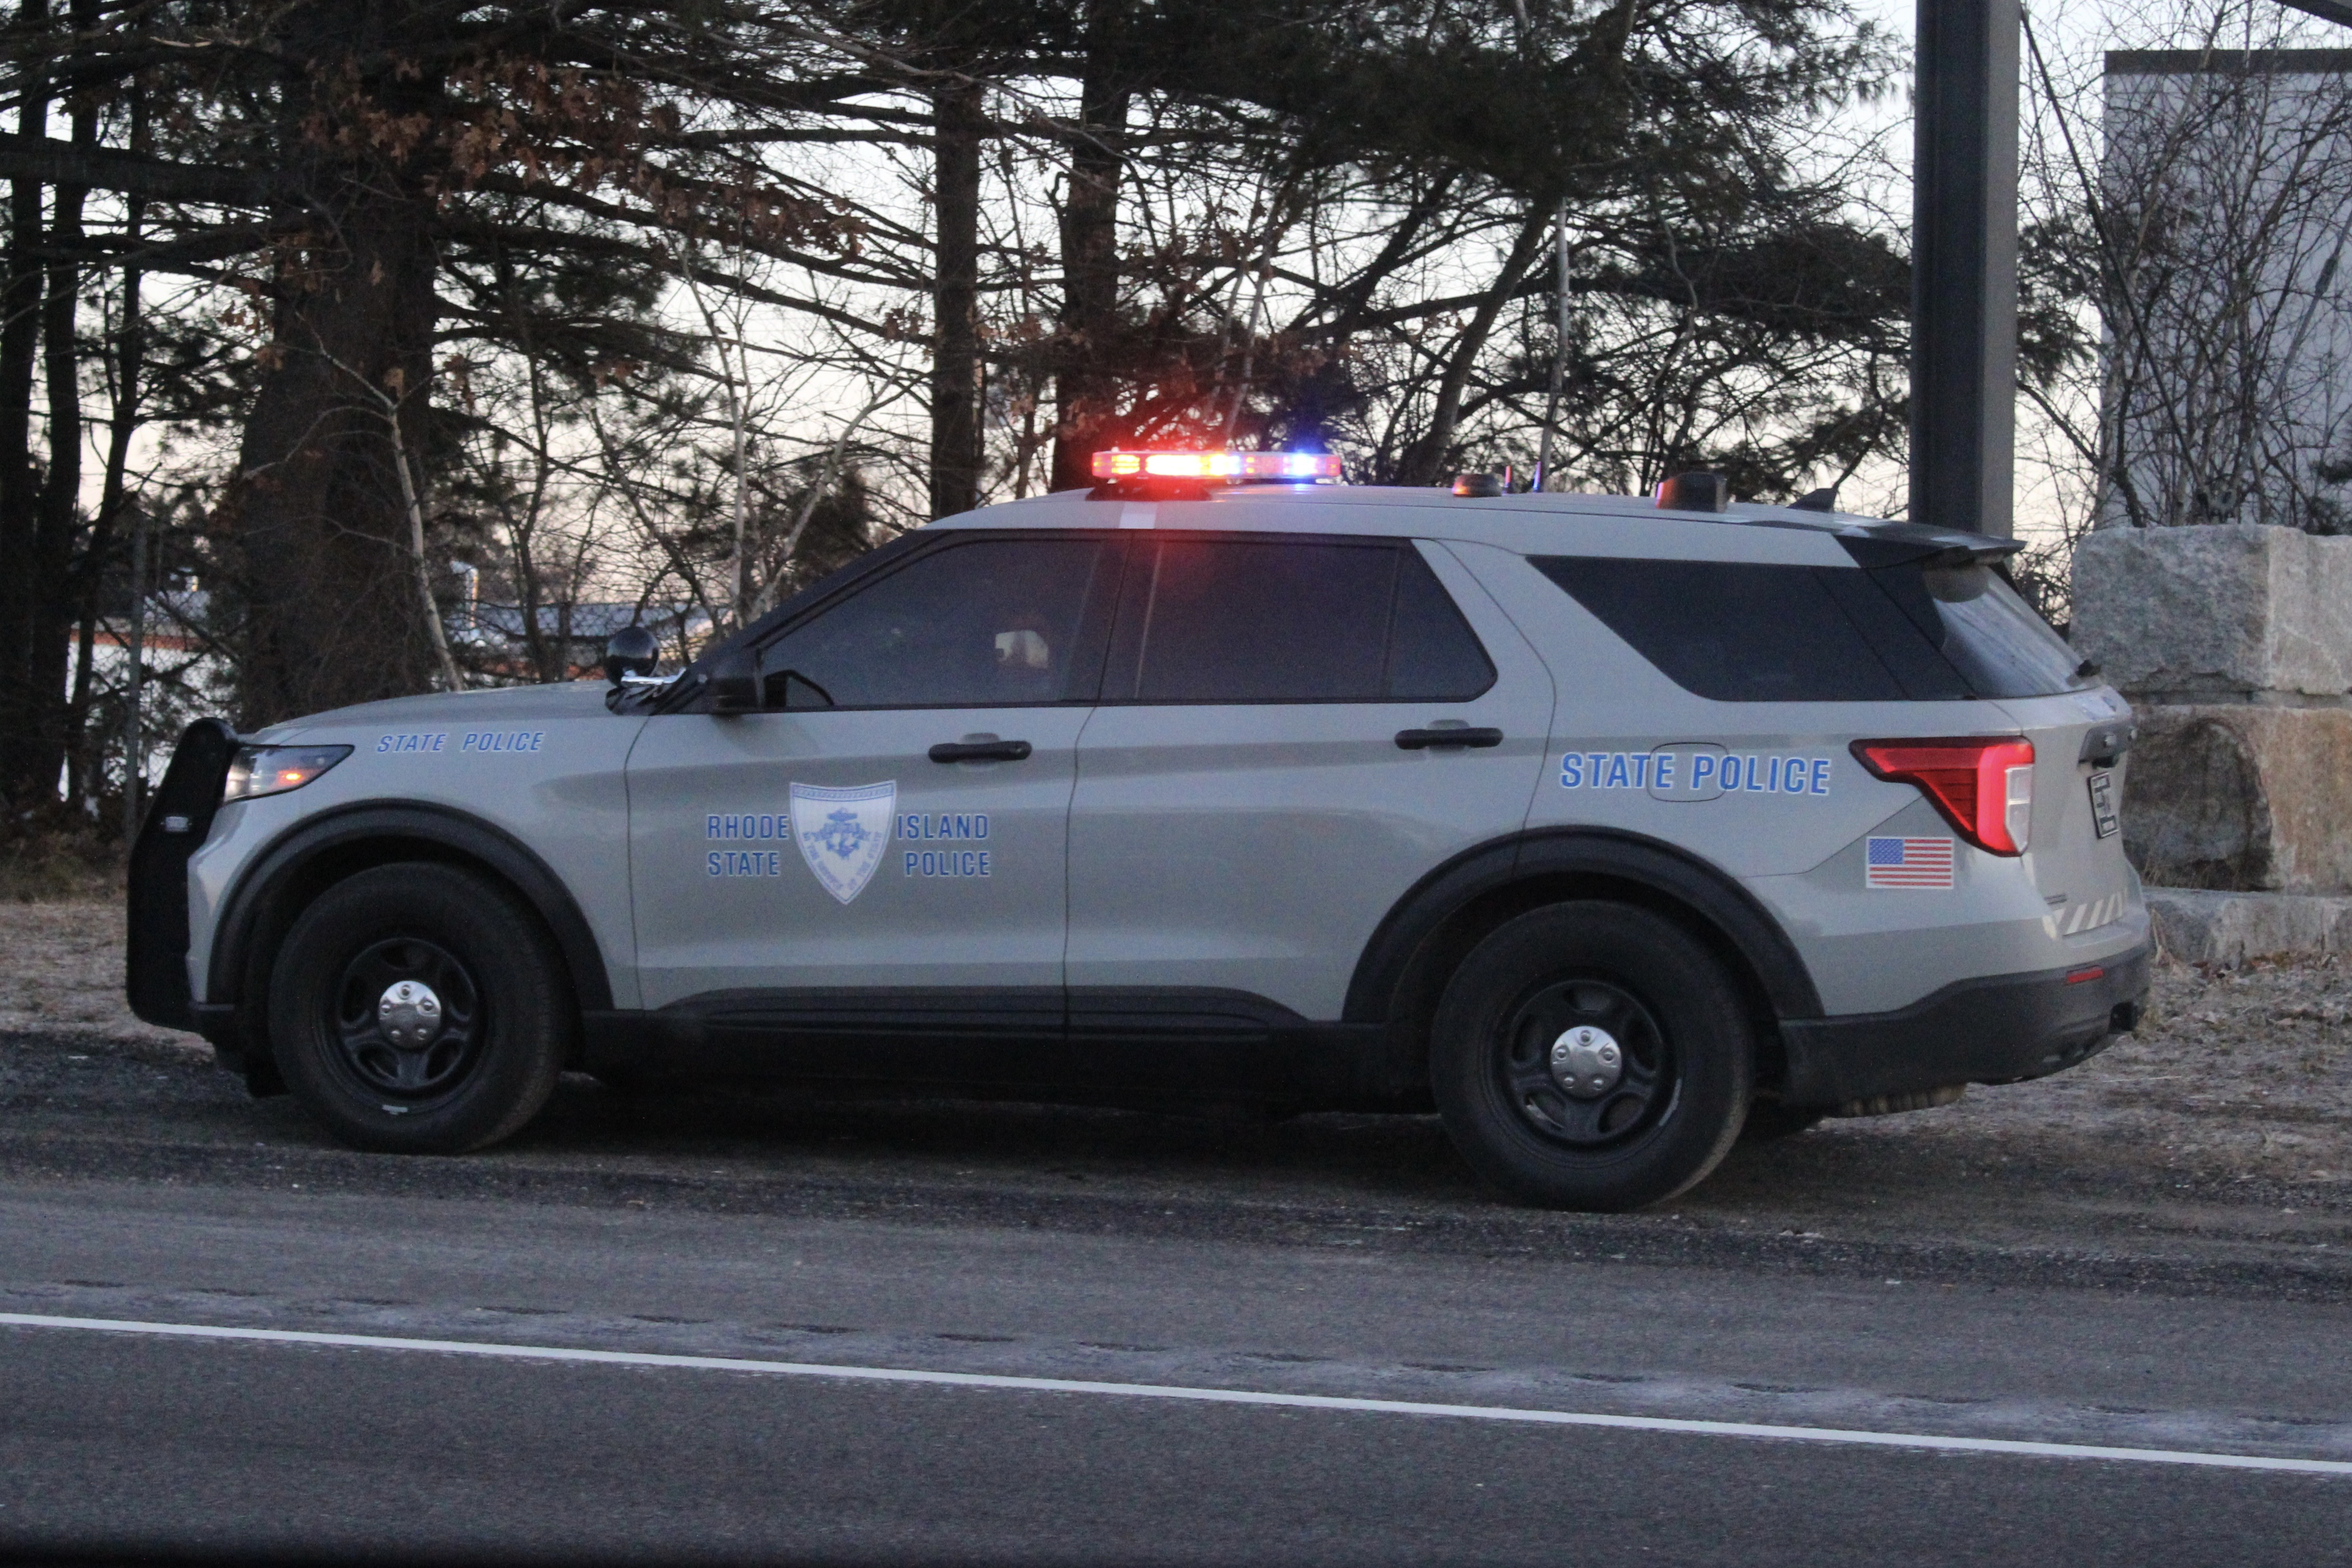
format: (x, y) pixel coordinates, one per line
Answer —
(2104, 820)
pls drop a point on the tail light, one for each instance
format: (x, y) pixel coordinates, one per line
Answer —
(1983, 786)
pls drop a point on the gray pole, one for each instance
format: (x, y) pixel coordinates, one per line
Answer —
(1964, 266)
(134, 749)
(1559, 362)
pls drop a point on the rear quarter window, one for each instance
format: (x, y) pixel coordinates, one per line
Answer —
(1740, 632)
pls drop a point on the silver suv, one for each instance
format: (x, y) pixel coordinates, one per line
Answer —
(1606, 828)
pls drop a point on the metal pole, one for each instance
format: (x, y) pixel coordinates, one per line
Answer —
(134, 748)
(1559, 361)
(1964, 266)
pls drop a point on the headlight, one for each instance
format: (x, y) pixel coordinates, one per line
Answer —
(274, 770)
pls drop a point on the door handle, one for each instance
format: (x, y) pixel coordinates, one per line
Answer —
(981, 751)
(1423, 739)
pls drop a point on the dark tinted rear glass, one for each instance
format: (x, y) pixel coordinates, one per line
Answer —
(1744, 633)
(1277, 620)
(1433, 655)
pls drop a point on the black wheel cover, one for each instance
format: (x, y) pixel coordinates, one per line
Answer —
(1643, 1093)
(438, 1068)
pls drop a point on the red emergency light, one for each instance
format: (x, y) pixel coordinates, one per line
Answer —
(1231, 466)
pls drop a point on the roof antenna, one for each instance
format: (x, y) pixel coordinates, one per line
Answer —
(1816, 500)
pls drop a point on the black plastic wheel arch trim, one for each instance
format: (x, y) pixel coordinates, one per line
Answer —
(1601, 856)
(431, 827)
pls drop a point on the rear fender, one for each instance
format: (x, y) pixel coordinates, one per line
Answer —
(1403, 969)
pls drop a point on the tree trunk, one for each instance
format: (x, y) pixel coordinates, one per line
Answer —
(51, 566)
(20, 341)
(129, 347)
(326, 604)
(1425, 462)
(958, 125)
(1089, 259)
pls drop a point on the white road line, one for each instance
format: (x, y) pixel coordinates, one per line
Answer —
(1920, 1440)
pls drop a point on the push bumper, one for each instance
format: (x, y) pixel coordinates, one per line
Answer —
(155, 976)
(1996, 1030)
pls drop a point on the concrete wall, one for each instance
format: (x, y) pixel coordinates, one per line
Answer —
(2234, 643)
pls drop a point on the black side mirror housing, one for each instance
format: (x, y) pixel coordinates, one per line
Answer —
(630, 651)
(732, 682)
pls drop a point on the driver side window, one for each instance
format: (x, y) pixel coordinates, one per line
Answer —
(992, 623)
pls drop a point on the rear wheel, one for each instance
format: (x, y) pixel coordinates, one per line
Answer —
(1592, 1056)
(419, 1009)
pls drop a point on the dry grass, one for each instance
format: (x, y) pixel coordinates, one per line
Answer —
(60, 867)
(64, 972)
(2237, 1073)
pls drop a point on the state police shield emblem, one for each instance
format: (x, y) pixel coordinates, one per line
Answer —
(843, 832)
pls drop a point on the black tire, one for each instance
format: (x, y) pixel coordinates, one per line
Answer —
(1592, 977)
(1769, 1121)
(504, 1017)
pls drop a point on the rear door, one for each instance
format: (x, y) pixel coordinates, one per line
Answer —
(896, 819)
(1267, 772)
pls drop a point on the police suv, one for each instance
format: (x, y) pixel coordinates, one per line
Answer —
(1606, 828)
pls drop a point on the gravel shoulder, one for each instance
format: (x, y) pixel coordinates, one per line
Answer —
(2212, 1152)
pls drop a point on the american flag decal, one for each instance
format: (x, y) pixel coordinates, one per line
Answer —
(1909, 863)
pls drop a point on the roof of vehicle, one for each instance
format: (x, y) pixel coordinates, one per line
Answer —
(1553, 522)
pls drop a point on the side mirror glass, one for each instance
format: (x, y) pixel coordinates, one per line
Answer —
(733, 684)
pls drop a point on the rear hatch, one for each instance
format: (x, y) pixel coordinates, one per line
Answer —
(1995, 647)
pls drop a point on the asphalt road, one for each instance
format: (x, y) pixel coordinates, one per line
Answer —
(1072, 1268)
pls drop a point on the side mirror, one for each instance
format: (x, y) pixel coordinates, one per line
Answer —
(630, 651)
(733, 684)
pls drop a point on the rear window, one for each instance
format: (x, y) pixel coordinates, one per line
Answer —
(1738, 632)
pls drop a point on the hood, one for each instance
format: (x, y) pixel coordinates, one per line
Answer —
(498, 705)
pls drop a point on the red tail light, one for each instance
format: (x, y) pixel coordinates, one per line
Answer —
(1983, 786)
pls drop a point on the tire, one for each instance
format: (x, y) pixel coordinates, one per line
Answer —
(1769, 1121)
(1616, 1133)
(477, 1065)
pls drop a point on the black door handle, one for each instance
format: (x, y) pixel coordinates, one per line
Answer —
(1423, 739)
(981, 751)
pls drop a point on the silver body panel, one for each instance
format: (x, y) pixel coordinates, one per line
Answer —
(1256, 847)
(543, 764)
(1248, 847)
(969, 891)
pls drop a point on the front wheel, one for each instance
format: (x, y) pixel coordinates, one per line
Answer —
(419, 1009)
(1592, 1056)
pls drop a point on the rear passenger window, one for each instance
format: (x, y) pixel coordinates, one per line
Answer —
(1738, 632)
(1285, 620)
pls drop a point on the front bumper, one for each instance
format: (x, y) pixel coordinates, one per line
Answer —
(1995, 1030)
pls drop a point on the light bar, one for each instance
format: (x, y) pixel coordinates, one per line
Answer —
(1229, 466)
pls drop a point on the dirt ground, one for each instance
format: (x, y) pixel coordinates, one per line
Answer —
(2238, 1074)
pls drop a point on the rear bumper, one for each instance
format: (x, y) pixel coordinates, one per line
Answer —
(1995, 1030)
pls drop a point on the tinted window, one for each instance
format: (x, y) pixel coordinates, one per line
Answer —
(1733, 632)
(993, 623)
(1742, 633)
(1433, 655)
(1992, 637)
(1288, 621)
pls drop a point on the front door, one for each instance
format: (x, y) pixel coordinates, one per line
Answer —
(894, 821)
